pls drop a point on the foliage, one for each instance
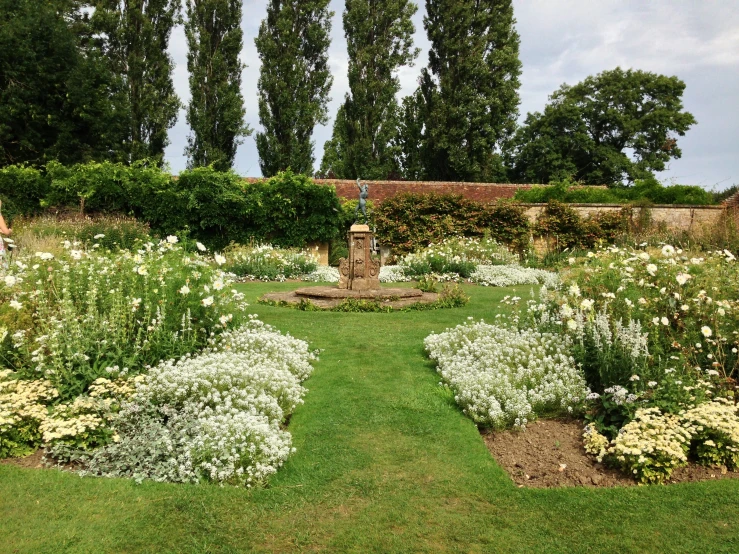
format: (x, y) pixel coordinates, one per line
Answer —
(21, 190)
(407, 222)
(135, 40)
(455, 255)
(503, 376)
(73, 317)
(214, 417)
(112, 232)
(565, 229)
(265, 263)
(216, 110)
(715, 432)
(588, 131)
(290, 210)
(469, 89)
(649, 189)
(294, 82)
(379, 42)
(58, 99)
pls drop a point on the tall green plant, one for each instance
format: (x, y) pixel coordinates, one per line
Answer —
(136, 36)
(294, 82)
(469, 89)
(216, 110)
(379, 41)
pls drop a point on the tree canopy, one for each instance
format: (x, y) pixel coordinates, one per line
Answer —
(615, 127)
(294, 82)
(216, 110)
(135, 38)
(58, 99)
(379, 41)
(469, 91)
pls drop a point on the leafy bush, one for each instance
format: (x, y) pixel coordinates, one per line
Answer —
(21, 190)
(563, 227)
(504, 376)
(407, 222)
(643, 189)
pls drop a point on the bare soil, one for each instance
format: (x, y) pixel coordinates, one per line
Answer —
(549, 453)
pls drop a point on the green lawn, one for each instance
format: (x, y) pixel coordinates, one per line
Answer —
(385, 462)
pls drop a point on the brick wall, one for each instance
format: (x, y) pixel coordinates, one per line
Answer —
(380, 190)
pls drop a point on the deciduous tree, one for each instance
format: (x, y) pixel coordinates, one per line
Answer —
(469, 89)
(294, 82)
(216, 110)
(135, 38)
(611, 128)
(379, 38)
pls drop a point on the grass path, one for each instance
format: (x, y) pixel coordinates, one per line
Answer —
(385, 462)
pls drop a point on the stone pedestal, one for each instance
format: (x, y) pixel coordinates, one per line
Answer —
(359, 271)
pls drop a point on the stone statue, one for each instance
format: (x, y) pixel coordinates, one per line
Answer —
(362, 205)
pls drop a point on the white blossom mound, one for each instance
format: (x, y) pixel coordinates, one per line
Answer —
(216, 416)
(510, 275)
(505, 377)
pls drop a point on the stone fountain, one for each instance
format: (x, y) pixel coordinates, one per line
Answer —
(359, 275)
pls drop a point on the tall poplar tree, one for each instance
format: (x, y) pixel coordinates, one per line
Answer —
(470, 88)
(294, 82)
(379, 38)
(216, 110)
(136, 35)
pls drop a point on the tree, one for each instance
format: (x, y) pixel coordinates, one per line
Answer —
(613, 127)
(294, 82)
(379, 41)
(469, 89)
(136, 34)
(57, 98)
(216, 110)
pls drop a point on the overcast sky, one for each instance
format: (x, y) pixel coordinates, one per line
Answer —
(562, 41)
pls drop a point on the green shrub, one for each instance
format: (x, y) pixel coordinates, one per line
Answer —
(21, 190)
(407, 222)
(644, 189)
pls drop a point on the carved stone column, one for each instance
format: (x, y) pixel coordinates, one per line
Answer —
(360, 271)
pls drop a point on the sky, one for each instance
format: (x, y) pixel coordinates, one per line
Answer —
(562, 41)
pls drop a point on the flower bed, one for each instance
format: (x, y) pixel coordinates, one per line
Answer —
(135, 364)
(656, 335)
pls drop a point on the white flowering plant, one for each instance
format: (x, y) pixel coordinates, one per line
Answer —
(70, 317)
(456, 255)
(502, 376)
(217, 416)
(264, 262)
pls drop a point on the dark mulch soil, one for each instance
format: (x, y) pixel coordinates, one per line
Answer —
(32, 461)
(549, 453)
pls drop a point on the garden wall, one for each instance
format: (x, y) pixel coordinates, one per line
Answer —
(674, 217)
(381, 190)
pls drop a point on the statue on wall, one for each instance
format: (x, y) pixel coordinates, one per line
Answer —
(362, 204)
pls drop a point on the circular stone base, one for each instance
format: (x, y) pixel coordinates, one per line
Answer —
(329, 297)
(374, 294)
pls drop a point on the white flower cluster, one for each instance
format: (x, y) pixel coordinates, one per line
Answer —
(651, 445)
(322, 274)
(510, 275)
(393, 274)
(715, 427)
(503, 376)
(216, 416)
